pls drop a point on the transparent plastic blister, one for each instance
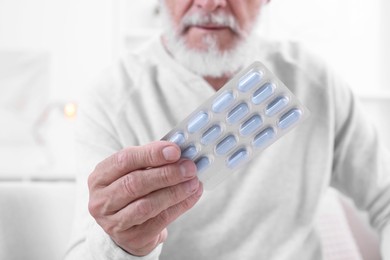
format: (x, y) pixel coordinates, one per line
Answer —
(252, 111)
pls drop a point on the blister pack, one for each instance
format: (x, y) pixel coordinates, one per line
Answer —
(249, 113)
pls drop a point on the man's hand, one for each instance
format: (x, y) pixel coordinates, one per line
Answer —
(135, 193)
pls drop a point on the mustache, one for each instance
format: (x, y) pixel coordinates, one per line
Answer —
(198, 19)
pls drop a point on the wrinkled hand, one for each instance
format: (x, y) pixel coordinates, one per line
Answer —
(135, 193)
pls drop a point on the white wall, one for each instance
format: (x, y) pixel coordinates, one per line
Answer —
(76, 34)
(385, 40)
(347, 33)
(76, 41)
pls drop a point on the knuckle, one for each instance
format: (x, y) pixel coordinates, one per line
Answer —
(151, 156)
(120, 225)
(94, 208)
(93, 179)
(99, 206)
(113, 225)
(143, 208)
(90, 181)
(187, 204)
(109, 228)
(131, 185)
(164, 217)
(96, 177)
(165, 175)
(120, 159)
(174, 194)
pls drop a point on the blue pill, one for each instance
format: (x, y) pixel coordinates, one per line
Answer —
(276, 106)
(190, 152)
(263, 93)
(238, 157)
(264, 137)
(290, 118)
(238, 113)
(202, 163)
(178, 138)
(226, 145)
(211, 134)
(198, 122)
(222, 102)
(251, 125)
(250, 80)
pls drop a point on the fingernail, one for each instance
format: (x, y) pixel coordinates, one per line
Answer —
(187, 170)
(170, 153)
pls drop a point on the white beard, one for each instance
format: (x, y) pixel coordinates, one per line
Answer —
(211, 62)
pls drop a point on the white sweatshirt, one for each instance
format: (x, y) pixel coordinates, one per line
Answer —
(267, 209)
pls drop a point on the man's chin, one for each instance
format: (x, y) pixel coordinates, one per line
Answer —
(210, 60)
(208, 64)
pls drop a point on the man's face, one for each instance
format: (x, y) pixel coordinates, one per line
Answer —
(226, 22)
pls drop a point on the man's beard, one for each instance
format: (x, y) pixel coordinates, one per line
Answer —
(210, 62)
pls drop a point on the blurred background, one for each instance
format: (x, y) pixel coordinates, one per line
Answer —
(51, 50)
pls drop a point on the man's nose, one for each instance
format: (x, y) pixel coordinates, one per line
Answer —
(210, 5)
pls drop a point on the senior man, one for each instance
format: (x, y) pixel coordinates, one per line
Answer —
(139, 188)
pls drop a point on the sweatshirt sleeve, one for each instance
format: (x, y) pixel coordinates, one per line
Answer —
(361, 168)
(95, 140)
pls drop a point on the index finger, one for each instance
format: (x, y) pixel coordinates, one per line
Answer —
(134, 158)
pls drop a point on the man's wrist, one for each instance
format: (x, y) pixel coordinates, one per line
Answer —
(102, 247)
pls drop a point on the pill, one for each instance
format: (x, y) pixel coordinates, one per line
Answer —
(289, 118)
(263, 93)
(178, 138)
(226, 145)
(198, 122)
(238, 157)
(251, 125)
(190, 152)
(264, 137)
(211, 134)
(202, 163)
(276, 106)
(222, 102)
(249, 80)
(238, 113)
